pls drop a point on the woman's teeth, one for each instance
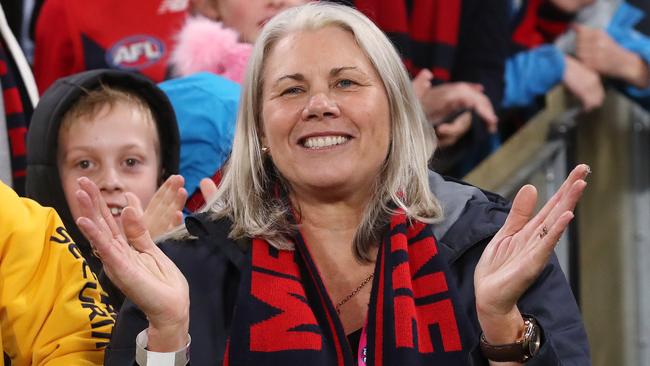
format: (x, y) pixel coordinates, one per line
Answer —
(116, 211)
(324, 141)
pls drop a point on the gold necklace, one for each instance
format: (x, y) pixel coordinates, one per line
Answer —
(353, 293)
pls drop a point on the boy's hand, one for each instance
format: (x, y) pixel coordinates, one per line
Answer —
(165, 210)
(208, 189)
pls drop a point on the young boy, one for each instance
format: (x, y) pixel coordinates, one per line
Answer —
(119, 130)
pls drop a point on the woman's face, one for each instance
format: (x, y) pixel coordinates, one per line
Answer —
(325, 114)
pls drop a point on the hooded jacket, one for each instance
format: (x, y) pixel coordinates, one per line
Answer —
(472, 217)
(43, 180)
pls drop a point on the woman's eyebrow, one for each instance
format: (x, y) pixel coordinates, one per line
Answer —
(300, 77)
(337, 70)
(296, 77)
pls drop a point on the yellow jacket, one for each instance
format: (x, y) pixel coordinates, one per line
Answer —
(52, 308)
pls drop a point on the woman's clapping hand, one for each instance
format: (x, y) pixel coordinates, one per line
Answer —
(518, 253)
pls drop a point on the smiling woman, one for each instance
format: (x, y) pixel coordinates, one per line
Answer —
(327, 127)
(326, 244)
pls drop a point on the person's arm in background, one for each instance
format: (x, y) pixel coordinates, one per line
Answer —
(601, 52)
(620, 53)
(532, 73)
(55, 310)
(53, 46)
(535, 72)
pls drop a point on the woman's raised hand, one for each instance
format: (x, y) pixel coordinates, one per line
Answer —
(517, 254)
(137, 267)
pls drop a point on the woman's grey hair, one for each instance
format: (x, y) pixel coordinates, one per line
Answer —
(253, 195)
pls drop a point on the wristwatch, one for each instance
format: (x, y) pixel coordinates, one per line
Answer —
(144, 357)
(520, 351)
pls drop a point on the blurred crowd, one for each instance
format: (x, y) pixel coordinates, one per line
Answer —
(479, 68)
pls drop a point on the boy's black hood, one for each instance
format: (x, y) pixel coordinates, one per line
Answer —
(43, 181)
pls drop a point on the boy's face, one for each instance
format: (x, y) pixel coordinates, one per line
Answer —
(117, 150)
(248, 17)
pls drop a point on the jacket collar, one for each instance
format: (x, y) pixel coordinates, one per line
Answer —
(470, 215)
(216, 232)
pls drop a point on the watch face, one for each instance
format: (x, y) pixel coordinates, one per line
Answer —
(533, 345)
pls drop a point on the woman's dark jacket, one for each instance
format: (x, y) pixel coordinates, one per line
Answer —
(472, 217)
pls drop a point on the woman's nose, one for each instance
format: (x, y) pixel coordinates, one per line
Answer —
(320, 106)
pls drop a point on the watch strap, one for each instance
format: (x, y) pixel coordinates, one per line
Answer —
(519, 351)
(144, 357)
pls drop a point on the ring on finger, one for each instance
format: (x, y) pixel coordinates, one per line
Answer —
(544, 232)
(96, 253)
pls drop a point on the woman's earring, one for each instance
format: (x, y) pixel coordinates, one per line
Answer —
(265, 150)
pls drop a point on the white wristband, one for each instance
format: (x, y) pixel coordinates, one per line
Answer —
(150, 358)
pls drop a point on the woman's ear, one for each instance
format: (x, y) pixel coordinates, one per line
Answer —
(207, 8)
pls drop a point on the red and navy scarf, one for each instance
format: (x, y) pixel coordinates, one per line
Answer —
(284, 315)
(17, 113)
(538, 22)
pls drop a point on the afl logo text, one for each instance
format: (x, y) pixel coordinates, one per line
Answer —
(135, 52)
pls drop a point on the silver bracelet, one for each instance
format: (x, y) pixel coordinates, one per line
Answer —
(143, 357)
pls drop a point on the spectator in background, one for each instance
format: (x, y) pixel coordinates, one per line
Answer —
(606, 41)
(219, 37)
(73, 36)
(536, 65)
(621, 50)
(456, 51)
